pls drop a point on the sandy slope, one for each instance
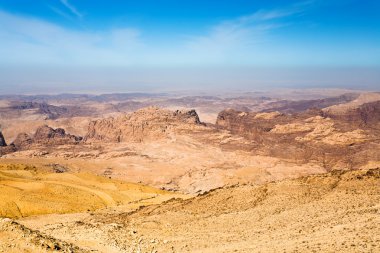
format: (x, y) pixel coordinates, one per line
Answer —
(27, 190)
(335, 212)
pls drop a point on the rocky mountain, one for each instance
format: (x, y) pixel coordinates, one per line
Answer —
(49, 136)
(44, 136)
(149, 123)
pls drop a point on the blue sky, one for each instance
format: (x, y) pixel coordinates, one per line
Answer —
(175, 40)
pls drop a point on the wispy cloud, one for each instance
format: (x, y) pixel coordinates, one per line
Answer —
(238, 39)
(61, 13)
(71, 8)
(268, 15)
(27, 40)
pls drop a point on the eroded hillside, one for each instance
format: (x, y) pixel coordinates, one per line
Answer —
(334, 212)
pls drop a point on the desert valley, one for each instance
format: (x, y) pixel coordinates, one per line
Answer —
(286, 171)
(189, 126)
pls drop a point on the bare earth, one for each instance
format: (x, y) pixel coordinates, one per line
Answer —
(336, 212)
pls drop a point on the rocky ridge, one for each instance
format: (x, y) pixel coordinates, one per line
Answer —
(22, 239)
(150, 123)
(44, 136)
(49, 136)
(333, 140)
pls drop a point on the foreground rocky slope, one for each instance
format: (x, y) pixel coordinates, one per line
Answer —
(334, 212)
(16, 238)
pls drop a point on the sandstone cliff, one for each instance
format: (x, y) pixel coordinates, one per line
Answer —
(150, 123)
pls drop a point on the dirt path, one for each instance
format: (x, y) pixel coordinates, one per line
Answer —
(106, 198)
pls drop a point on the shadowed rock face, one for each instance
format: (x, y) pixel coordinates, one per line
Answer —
(4, 148)
(187, 116)
(150, 123)
(2, 140)
(48, 135)
(22, 141)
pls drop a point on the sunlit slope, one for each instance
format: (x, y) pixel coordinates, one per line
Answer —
(25, 191)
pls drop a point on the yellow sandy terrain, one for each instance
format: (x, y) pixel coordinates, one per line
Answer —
(27, 190)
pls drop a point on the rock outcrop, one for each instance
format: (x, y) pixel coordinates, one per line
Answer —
(49, 136)
(44, 136)
(364, 115)
(149, 123)
(4, 148)
(253, 125)
(333, 140)
(2, 140)
(22, 141)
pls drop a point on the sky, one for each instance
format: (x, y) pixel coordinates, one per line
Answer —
(51, 46)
